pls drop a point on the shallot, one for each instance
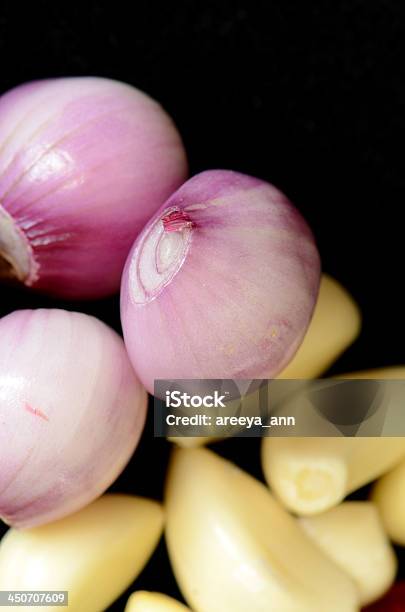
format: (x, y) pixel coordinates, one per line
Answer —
(221, 283)
(84, 163)
(71, 413)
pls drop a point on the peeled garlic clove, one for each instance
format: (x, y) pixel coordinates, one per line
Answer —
(308, 475)
(191, 441)
(390, 373)
(334, 326)
(94, 554)
(311, 475)
(145, 601)
(71, 412)
(389, 496)
(233, 547)
(352, 535)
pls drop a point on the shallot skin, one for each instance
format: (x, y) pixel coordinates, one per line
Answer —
(221, 283)
(71, 413)
(84, 163)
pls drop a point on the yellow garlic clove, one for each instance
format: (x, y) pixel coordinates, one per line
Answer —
(94, 554)
(389, 495)
(234, 548)
(191, 441)
(146, 601)
(390, 373)
(352, 535)
(311, 475)
(334, 326)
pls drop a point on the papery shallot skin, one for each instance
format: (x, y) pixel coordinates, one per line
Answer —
(71, 413)
(221, 283)
(84, 163)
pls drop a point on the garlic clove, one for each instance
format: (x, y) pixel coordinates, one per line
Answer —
(311, 475)
(94, 554)
(389, 496)
(352, 535)
(390, 373)
(334, 326)
(233, 547)
(191, 441)
(146, 601)
(308, 475)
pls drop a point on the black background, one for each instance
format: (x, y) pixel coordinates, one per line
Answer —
(309, 96)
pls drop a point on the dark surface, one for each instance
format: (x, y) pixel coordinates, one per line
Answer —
(309, 96)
